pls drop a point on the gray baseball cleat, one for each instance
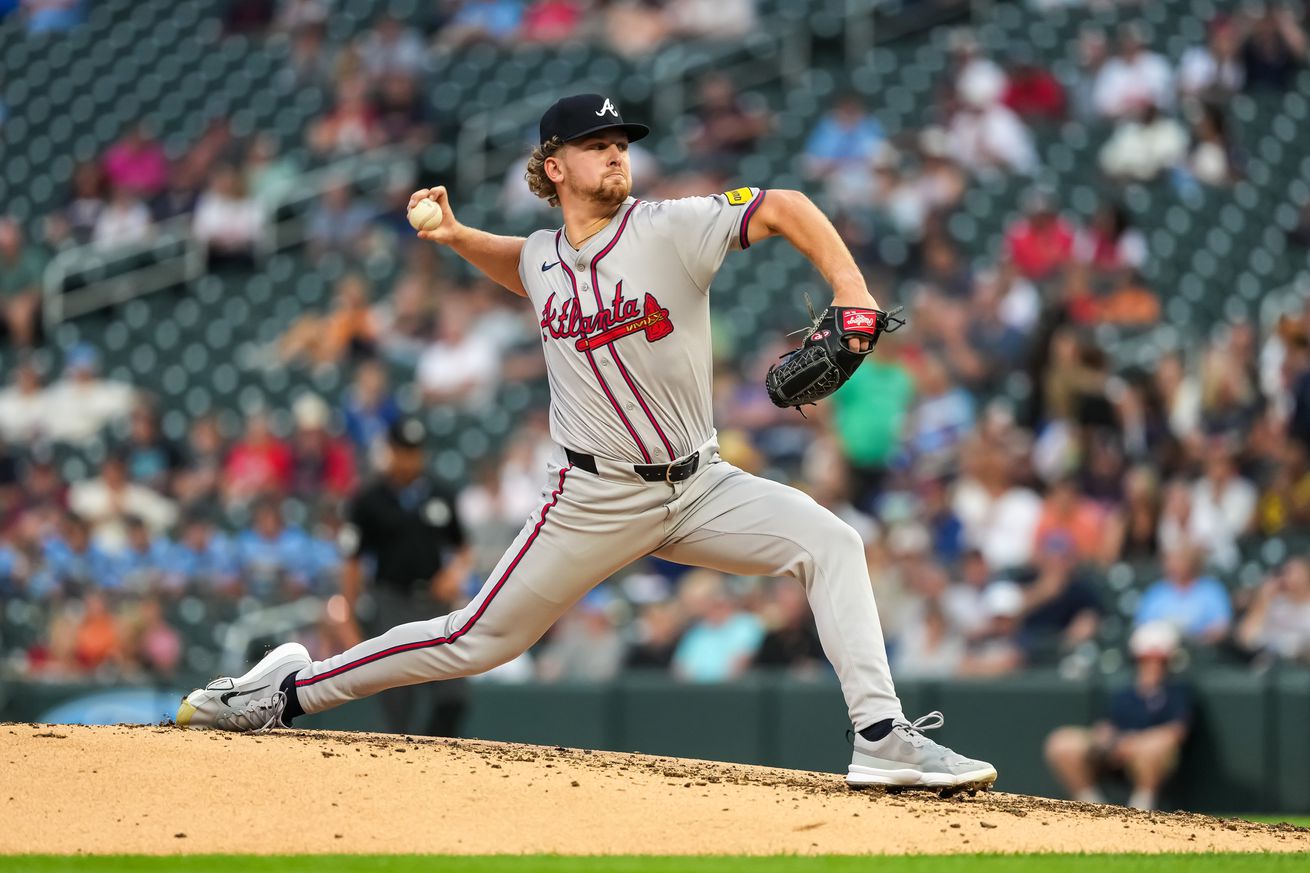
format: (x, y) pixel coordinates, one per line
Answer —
(905, 758)
(252, 703)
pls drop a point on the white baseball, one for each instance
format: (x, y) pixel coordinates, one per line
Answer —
(426, 215)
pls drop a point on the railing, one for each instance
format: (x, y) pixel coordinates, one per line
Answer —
(172, 255)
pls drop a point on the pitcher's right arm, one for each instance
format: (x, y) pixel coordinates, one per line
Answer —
(496, 256)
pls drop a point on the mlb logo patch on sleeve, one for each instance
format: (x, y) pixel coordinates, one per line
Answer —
(738, 196)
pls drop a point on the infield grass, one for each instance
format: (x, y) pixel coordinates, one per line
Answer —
(1216, 863)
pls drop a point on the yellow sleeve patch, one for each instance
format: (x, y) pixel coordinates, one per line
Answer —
(738, 196)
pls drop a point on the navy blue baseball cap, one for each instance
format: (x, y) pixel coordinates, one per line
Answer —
(571, 118)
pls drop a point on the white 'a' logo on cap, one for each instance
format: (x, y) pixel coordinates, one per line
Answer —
(608, 107)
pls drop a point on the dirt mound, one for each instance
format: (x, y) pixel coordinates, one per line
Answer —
(162, 790)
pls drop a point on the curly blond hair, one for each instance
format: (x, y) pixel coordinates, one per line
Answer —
(538, 182)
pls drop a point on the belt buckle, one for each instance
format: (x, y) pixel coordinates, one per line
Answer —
(668, 471)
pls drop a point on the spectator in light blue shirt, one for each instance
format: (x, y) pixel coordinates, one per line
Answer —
(73, 563)
(1198, 606)
(369, 407)
(482, 20)
(846, 136)
(721, 645)
(201, 558)
(141, 564)
(275, 558)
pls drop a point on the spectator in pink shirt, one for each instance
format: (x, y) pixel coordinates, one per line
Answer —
(136, 162)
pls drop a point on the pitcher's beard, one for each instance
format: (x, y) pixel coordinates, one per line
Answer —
(611, 191)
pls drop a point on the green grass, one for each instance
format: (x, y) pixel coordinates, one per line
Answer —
(1217, 863)
(1299, 820)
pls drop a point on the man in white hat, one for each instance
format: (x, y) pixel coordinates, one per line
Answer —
(1141, 734)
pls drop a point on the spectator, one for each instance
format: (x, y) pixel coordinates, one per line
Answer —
(402, 116)
(656, 634)
(311, 62)
(928, 645)
(269, 177)
(1032, 92)
(987, 137)
(136, 164)
(1285, 501)
(297, 14)
(460, 367)
(125, 221)
(725, 127)
(86, 201)
(275, 560)
(552, 21)
(1143, 729)
(201, 560)
(718, 20)
(141, 561)
(108, 502)
(1110, 247)
(154, 645)
(1277, 625)
(1216, 69)
(964, 603)
(228, 221)
(390, 49)
(999, 515)
(1039, 245)
(98, 641)
(369, 407)
(349, 330)
(870, 414)
(1000, 346)
(791, 640)
(1077, 519)
(1132, 80)
(634, 28)
(722, 639)
(1275, 48)
(197, 482)
(321, 464)
(846, 136)
(72, 564)
(474, 21)
(339, 224)
(1131, 532)
(259, 464)
(1092, 53)
(995, 651)
(24, 412)
(584, 646)
(1144, 146)
(151, 459)
(1212, 159)
(352, 126)
(1196, 605)
(940, 419)
(22, 270)
(1060, 608)
(1223, 506)
(179, 197)
(80, 404)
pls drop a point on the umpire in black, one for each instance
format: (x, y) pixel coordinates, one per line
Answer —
(404, 526)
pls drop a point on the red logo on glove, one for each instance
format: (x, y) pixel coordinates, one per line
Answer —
(820, 335)
(859, 319)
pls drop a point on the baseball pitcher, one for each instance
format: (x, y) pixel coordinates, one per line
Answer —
(622, 296)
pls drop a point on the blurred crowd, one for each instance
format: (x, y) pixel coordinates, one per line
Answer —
(1025, 498)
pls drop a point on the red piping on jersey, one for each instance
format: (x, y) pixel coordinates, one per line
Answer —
(595, 289)
(468, 625)
(573, 280)
(746, 219)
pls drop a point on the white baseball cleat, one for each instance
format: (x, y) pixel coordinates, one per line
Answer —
(905, 758)
(252, 703)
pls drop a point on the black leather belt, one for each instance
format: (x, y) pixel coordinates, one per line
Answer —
(675, 472)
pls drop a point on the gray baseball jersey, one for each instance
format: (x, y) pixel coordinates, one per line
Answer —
(625, 325)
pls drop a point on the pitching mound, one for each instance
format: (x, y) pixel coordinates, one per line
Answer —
(163, 790)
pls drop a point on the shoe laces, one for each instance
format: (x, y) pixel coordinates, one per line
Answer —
(257, 716)
(912, 731)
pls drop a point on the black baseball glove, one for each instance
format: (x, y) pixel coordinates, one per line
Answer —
(824, 361)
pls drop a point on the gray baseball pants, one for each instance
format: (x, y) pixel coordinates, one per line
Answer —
(591, 525)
